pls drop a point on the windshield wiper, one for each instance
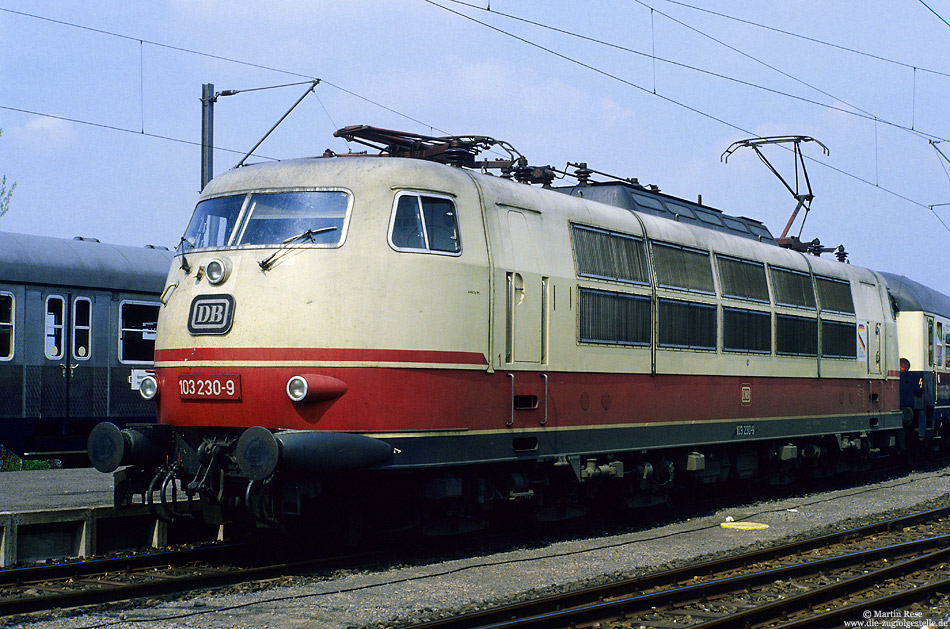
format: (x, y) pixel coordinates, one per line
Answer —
(268, 262)
(184, 261)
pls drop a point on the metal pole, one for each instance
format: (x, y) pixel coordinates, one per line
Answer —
(207, 133)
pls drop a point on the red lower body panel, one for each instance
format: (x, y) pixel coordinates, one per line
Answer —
(394, 399)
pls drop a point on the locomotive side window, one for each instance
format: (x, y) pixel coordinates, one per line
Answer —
(6, 326)
(82, 328)
(615, 318)
(679, 267)
(746, 331)
(796, 336)
(55, 326)
(137, 322)
(315, 217)
(424, 223)
(835, 295)
(838, 339)
(212, 223)
(608, 255)
(793, 288)
(687, 325)
(741, 279)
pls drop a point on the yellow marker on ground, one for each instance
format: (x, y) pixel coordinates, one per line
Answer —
(744, 526)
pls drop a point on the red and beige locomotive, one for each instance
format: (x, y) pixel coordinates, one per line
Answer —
(375, 332)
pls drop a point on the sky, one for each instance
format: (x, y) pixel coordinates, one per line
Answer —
(101, 115)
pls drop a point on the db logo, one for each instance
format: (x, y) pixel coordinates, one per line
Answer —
(211, 314)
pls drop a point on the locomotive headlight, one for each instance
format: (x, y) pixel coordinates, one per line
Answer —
(297, 388)
(311, 387)
(217, 270)
(148, 387)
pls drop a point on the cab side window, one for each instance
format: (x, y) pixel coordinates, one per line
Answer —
(425, 223)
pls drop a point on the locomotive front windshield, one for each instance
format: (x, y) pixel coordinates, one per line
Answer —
(212, 223)
(272, 218)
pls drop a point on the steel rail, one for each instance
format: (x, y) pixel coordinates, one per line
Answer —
(86, 567)
(857, 611)
(620, 608)
(860, 583)
(206, 578)
(508, 615)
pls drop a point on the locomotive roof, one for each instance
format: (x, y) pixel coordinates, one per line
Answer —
(295, 173)
(913, 296)
(640, 199)
(25, 258)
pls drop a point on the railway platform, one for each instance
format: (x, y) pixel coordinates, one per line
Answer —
(55, 514)
(54, 489)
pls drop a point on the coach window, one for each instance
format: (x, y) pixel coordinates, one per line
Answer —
(137, 322)
(6, 326)
(82, 328)
(940, 346)
(930, 342)
(55, 326)
(424, 223)
(793, 288)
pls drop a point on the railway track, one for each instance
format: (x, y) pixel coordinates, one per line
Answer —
(845, 576)
(93, 582)
(87, 582)
(38, 588)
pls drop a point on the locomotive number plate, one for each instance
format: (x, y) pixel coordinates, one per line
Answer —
(209, 386)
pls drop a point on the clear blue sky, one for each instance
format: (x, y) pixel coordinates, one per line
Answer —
(136, 70)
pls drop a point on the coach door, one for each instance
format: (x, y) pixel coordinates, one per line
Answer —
(524, 341)
(67, 375)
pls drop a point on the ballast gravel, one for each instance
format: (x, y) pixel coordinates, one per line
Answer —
(401, 595)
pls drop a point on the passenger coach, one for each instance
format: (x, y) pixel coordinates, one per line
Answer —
(77, 333)
(923, 331)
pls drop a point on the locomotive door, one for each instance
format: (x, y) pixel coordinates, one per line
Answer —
(525, 293)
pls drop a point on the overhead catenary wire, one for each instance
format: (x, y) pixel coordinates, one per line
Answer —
(940, 17)
(590, 67)
(813, 40)
(851, 110)
(657, 94)
(208, 55)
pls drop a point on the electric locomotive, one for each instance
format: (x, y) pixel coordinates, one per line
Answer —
(77, 330)
(360, 333)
